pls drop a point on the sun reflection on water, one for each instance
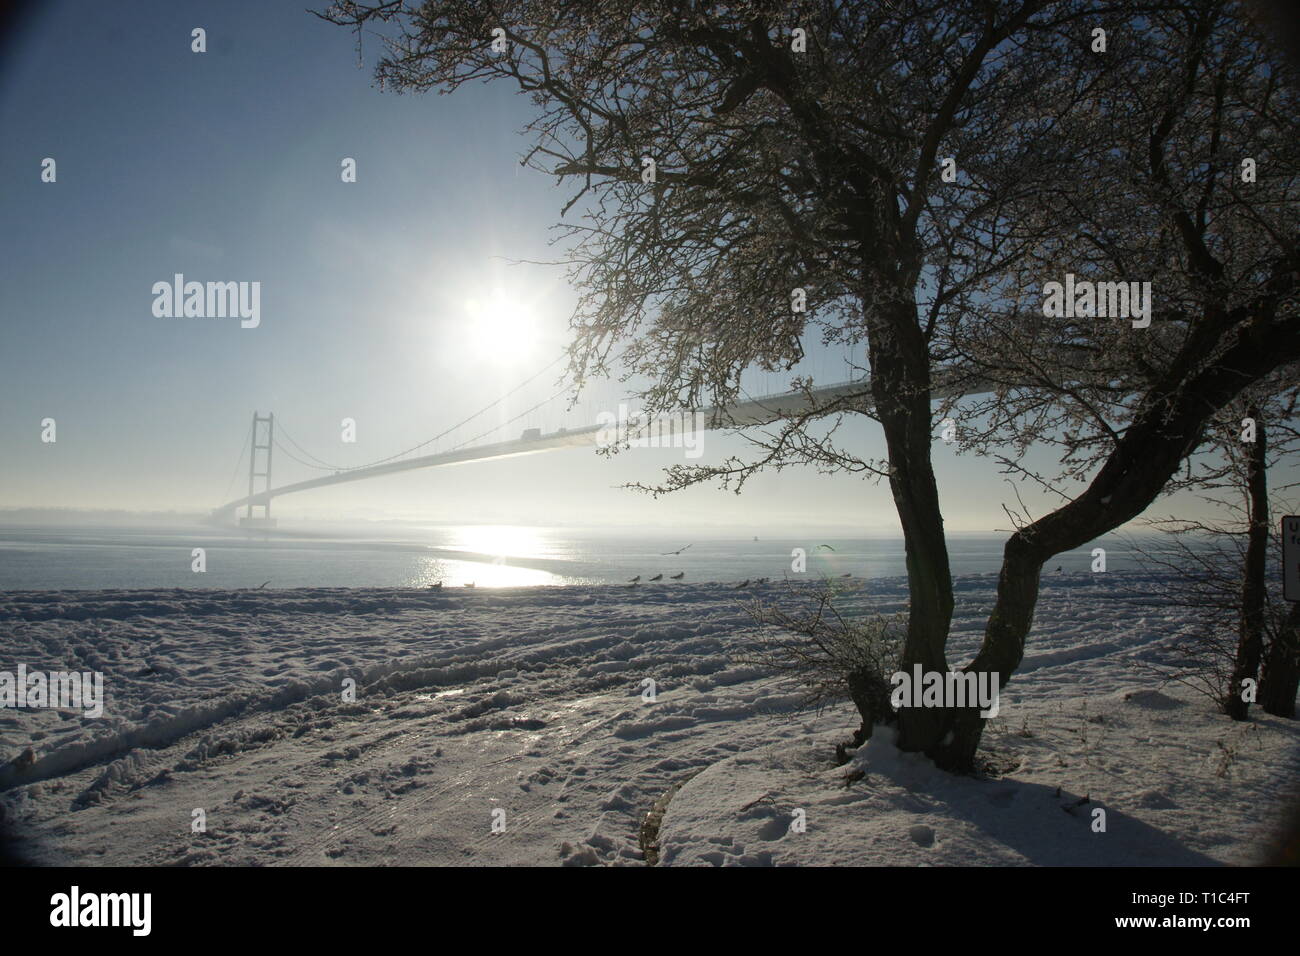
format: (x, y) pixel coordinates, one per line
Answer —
(500, 540)
(489, 553)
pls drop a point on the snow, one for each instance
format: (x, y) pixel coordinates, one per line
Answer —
(530, 701)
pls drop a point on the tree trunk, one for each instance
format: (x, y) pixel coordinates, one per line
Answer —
(1281, 677)
(1250, 642)
(1003, 647)
(900, 383)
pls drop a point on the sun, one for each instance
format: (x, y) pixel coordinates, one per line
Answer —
(501, 327)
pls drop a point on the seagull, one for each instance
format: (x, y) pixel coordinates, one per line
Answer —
(262, 585)
(657, 577)
(742, 584)
(1058, 569)
(679, 575)
(678, 551)
(826, 546)
(635, 579)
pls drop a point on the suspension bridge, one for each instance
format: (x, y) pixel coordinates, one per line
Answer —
(663, 430)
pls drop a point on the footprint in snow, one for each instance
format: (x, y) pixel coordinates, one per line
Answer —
(921, 834)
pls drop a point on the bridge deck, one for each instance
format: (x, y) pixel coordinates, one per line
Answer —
(757, 411)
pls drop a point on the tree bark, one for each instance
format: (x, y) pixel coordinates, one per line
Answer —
(1250, 642)
(1281, 677)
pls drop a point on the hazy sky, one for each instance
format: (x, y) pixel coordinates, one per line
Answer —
(225, 166)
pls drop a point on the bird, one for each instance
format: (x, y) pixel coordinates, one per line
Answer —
(657, 577)
(635, 579)
(262, 585)
(679, 575)
(678, 551)
(742, 584)
(1058, 569)
(826, 546)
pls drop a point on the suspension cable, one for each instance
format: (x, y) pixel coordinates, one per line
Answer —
(497, 428)
(288, 454)
(322, 465)
(466, 421)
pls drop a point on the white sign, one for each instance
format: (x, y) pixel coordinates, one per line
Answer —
(1291, 558)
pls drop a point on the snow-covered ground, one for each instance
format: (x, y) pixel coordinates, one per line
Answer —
(509, 727)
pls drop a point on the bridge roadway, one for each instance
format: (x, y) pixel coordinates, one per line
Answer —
(756, 411)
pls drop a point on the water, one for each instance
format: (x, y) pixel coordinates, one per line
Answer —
(488, 555)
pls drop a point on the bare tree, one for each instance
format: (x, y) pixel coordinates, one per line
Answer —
(1227, 570)
(1250, 644)
(724, 157)
(1208, 571)
(1267, 635)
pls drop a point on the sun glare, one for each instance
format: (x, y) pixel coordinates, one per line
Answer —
(502, 327)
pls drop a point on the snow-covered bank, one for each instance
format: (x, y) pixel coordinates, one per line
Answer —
(524, 708)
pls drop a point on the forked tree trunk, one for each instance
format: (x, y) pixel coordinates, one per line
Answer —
(1281, 678)
(1167, 430)
(1250, 640)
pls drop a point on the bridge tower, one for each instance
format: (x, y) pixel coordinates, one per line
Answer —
(265, 427)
